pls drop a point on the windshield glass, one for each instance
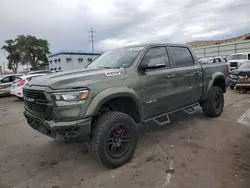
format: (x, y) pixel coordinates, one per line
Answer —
(245, 66)
(123, 57)
(237, 56)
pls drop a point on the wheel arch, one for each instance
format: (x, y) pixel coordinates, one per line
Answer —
(110, 94)
(218, 79)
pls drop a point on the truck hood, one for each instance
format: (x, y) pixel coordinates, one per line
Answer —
(76, 79)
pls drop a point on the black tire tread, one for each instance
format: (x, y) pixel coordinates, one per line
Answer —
(99, 128)
(207, 106)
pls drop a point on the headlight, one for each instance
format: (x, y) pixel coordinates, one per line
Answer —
(70, 98)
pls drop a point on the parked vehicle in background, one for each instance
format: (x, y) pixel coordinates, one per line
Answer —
(17, 85)
(243, 70)
(236, 60)
(207, 60)
(40, 72)
(5, 84)
(105, 102)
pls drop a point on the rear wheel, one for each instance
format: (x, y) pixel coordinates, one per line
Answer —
(114, 139)
(214, 104)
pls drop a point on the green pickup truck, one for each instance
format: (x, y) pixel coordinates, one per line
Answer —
(104, 103)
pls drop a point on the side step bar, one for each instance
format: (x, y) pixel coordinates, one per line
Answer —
(164, 118)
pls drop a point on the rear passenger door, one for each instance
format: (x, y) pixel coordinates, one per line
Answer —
(188, 76)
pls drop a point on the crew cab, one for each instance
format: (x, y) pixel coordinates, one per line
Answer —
(104, 103)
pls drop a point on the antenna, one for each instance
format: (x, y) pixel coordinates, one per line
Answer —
(92, 38)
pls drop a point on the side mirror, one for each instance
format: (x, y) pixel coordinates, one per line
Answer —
(144, 67)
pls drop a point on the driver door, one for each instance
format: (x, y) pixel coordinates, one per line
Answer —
(155, 83)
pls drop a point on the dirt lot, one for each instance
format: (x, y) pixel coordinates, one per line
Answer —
(192, 151)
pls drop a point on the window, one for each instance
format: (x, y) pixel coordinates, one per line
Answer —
(6, 80)
(156, 56)
(89, 59)
(181, 56)
(60, 68)
(51, 61)
(80, 60)
(59, 60)
(55, 60)
(68, 59)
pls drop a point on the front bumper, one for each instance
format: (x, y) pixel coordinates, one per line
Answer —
(77, 131)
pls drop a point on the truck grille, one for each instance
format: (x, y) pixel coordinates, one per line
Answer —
(234, 64)
(35, 102)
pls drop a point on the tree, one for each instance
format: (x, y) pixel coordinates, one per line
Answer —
(14, 54)
(33, 50)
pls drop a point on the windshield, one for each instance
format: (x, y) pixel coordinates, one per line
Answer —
(123, 57)
(237, 56)
(245, 66)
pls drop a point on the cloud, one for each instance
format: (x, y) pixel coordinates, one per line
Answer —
(66, 23)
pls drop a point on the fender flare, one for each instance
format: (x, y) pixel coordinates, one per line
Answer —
(111, 93)
(215, 76)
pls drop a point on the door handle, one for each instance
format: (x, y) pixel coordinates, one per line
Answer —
(170, 76)
(196, 72)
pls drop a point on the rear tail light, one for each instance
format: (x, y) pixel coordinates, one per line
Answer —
(21, 83)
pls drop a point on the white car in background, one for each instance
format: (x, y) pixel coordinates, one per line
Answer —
(17, 85)
(236, 60)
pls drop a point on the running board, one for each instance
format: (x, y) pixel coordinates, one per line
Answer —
(164, 118)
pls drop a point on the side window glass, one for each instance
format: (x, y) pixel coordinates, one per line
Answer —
(6, 80)
(181, 56)
(12, 78)
(156, 56)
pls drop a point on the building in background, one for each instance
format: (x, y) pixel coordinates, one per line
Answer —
(65, 61)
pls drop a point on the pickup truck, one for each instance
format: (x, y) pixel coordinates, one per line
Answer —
(236, 60)
(104, 103)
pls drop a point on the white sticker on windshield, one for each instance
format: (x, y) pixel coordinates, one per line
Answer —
(112, 73)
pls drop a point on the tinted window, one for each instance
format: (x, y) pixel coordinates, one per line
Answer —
(156, 56)
(181, 56)
(6, 79)
(12, 78)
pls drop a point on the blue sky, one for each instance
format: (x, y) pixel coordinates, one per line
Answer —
(65, 23)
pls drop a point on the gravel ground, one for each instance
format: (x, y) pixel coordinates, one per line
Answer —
(192, 151)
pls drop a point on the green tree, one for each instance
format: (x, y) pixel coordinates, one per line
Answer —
(14, 54)
(34, 51)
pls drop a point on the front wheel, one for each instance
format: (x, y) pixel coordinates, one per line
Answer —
(114, 139)
(214, 104)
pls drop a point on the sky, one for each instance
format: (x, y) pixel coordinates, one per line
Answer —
(66, 23)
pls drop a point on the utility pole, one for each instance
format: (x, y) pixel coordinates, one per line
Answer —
(92, 38)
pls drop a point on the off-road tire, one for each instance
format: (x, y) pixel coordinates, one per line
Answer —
(97, 145)
(209, 106)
